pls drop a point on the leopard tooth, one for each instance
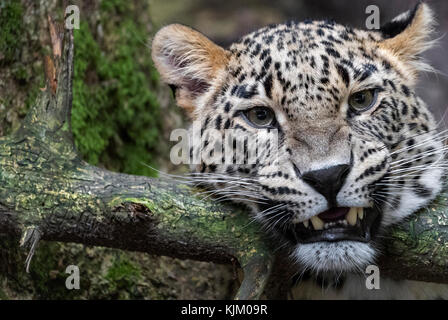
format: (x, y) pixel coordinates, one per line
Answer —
(360, 213)
(306, 223)
(317, 223)
(352, 216)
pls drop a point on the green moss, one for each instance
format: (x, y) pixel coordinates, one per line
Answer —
(21, 71)
(11, 28)
(123, 277)
(47, 273)
(3, 295)
(115, 116)
(46, 279)
(33, 92)
(11, 266)
(21, 74)
(114, 6)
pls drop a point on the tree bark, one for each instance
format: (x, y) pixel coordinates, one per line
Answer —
(48, 193)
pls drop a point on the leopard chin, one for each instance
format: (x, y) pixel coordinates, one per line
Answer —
(329, 257)
(337, 240)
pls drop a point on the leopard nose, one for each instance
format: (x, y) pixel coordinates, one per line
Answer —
(328, 181)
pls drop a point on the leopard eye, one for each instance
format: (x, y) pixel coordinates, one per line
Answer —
(362, 100)
(260, 117)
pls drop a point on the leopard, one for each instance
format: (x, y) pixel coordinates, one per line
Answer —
(344, 146)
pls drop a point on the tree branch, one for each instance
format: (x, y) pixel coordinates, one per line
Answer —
(48, 193)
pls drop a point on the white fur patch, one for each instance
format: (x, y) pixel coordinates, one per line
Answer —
(339, 256)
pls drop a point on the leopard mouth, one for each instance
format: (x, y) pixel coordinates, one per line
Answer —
(335, 224)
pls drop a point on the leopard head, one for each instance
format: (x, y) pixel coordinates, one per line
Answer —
(356, 149)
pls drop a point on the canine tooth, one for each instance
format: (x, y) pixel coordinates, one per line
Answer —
(318, 224)
(352, 216)
(306, 223)
(360, 213)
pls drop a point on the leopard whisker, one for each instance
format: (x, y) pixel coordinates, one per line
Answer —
(411, 137)
(439, 137)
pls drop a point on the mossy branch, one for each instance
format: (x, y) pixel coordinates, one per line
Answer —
(48, 193)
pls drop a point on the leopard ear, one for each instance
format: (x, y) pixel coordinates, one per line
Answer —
(187, 61)
(409, 34)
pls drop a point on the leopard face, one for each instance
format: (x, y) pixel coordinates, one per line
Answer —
(356, 151)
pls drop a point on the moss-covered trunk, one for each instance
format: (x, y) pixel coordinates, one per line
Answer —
(49, 193)
(119, 116)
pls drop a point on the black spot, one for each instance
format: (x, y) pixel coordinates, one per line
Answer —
(386, 65)
(227, 107)
(324, 80)
(404, 108)
(246, 93)
(410, 142)
(233, 91)
(405, 90)
(268, 86)
(369, 69)
(333, 52)
(390, 83)
(265, 53)
(173, 89)
(257, 50)
(421, 190)
(267, 63)
(344, 74)
(218, 121)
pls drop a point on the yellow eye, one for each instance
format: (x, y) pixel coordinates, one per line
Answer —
(362, 100)
(260, 117)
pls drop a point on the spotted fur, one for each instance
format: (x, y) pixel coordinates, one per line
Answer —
(305, 72)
